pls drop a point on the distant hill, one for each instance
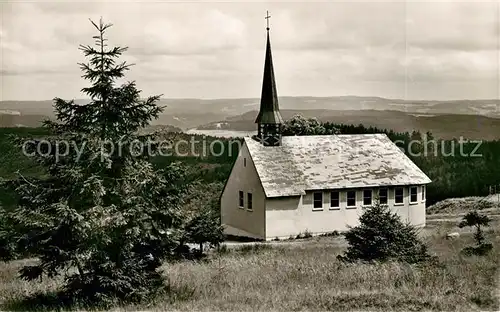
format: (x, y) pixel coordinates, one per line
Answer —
(191, 113)
(446, 126)
(228, 107)
(182, 113)
(161, 128)
(18, 120)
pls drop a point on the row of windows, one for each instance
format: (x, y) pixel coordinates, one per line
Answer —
(383, 195)
(367, 197)
(241, 200)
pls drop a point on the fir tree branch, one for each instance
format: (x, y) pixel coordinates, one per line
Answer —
(25, 180)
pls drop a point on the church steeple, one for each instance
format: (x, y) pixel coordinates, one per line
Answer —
(269, 119)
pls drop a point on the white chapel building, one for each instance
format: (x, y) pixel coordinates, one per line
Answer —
(281, 186)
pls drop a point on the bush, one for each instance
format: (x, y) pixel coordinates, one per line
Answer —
(382, 236)
(330, 234)
(307, 234)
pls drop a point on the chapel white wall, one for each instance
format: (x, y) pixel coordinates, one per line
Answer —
(289, 216)
(240, 221)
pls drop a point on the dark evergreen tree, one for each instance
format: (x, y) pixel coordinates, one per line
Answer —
(382, 236)
(103, 209)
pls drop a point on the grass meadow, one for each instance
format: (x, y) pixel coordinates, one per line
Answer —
(306, 276)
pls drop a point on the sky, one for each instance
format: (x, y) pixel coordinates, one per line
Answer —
(430, 50)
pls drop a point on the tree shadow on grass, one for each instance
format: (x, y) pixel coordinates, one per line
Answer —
(59, 301)
(480, 250)
(52, 301)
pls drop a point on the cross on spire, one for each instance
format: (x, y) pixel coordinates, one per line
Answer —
(267, 18)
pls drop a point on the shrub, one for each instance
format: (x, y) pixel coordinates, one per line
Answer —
(330, 234)
(307, 234)
(382, 236)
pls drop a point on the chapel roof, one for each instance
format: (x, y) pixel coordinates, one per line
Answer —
(320, 162)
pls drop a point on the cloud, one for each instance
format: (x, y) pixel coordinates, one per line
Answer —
(342, 26)
(31, 71)
(206, 49)
(458, 27)
(207, 34)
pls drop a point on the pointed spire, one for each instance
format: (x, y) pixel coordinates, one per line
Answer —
(269, 109)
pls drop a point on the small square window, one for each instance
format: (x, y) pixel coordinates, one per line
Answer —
(334, 199)
(318, 200)
(398, 195)
(241, 200)
(249, 201)
(382, 196)
(413, 194)
(423, 192)
(351, 198)
(367, 197)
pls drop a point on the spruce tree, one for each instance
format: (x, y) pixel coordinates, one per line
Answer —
(103, 216)
(382, 236)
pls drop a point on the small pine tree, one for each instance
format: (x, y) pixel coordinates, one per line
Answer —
(477, 220)
(103, 209)
(382, 236)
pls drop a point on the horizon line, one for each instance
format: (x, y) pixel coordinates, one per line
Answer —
(282, 96)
